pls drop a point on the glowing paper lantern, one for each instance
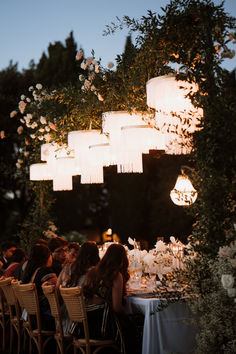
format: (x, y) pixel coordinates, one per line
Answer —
(40, 172)
(183, 193)
(80, 141)
(175, 116)
(112, 122)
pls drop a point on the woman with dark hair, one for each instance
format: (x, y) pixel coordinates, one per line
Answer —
(17, 257)
(38, 270)
(74, 273)
(105, 290)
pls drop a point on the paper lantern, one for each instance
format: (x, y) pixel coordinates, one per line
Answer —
(176, 117)
(40, 172)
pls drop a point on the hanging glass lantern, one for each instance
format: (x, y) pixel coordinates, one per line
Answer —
(183, 193)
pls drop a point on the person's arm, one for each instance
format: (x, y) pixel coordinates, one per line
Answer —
(117, 293)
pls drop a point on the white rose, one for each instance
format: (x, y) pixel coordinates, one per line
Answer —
(110, 65)
(39, 87)
(227, 280)
(79, 55)
(160, 246)
(43, 120)
(20, 129)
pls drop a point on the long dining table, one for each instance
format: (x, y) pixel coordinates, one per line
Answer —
(165, 331)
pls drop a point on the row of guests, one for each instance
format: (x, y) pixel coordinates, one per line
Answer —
(104, 287)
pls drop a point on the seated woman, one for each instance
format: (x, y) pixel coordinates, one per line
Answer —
(104, 290)
(38, 270)
(17, 257)
(73, 274)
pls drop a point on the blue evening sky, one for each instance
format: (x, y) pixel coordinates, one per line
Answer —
(28, 26)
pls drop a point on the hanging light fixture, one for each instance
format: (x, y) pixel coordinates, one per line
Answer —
(81, 141)
(112, 122)
(183, 194)
(176, 117)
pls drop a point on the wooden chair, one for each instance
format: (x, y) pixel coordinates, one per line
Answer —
(14, 312)
(74, 301)
(24, 322)
(64, 341)
(29, 297)
(4, 319)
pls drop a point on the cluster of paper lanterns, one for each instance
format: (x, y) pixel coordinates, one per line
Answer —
(122, 141)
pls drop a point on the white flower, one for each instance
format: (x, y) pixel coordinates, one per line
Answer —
(22, 106)
(40, 137)
(47, 128)
(34, 125)
(22, 97)
(231, 292)
(87, 84)
(20, 161)
(28, 99)
(26, 153)
(131, 241)
(160, 246)
(79, 54)
(89, 60)
(31, 88)
(83, 65)
(110, 65)
(172, 239)
(41, 130)
(13, 114)
(81, 77)
(2, 134)
(18, 165)
(148, 259)
(47, 137)
(226, 252)
(32, 136)
(227, 281)
(52, 126)
(20, 129)
(93, 88)
(43, 120)
(39, 87)
(29, 116)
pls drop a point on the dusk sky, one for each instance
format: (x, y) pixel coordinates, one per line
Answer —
(28, 26)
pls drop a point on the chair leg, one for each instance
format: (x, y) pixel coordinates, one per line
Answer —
(11, 337)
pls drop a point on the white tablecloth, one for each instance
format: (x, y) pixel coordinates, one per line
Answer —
(164, 331)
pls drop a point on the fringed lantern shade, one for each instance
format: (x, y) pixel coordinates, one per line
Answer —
(112, 122)
(165, 93)
(176, 117)
(97, 157)
(62, 182)
(81, 141)
(136, 140)
(183, 193)
(40, 172)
